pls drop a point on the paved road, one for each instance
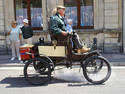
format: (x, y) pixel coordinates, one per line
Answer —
(12, 82)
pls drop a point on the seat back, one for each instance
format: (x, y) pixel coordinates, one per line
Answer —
(61, 40)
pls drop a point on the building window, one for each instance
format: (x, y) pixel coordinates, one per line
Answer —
(81, 12)
(31, 10)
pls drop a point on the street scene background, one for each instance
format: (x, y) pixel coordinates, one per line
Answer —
(100, 19)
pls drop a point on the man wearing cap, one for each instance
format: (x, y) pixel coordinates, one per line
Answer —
(27, 32)
(57, 25)
(58, 29)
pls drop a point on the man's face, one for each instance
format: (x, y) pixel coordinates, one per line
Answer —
(70, 23)
(24, 23)
(61, 12)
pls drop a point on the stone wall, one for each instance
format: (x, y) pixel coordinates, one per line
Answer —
(6, 16)
(107, 15)
(106, 12)
(1, 17)
(98, 14)
(2, 37)
(111, 14)
(9, 13)
(124, 27)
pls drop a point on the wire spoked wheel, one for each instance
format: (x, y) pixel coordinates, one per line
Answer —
(97, 69)
(37, 71)
(94, 67)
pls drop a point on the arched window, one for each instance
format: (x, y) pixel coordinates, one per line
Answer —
(81, 12)
(31, 10)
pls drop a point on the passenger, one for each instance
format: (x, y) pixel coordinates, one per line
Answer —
(69, 25)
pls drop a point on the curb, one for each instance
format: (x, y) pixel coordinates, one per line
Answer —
(12, 65)
(22, 64)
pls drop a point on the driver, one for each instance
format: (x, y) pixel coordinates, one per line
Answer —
(58, 29)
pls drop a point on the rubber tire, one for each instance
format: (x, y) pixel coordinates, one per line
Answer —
(26, 75)
(85, 72)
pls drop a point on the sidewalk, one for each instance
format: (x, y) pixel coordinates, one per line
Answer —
(6, 62)
(115, 59)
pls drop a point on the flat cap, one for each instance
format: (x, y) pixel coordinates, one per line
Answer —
(60, 7)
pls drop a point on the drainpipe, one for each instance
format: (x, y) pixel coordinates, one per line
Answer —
(123, 26)
(47, 13)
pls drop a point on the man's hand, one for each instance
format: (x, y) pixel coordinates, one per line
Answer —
(64, 33)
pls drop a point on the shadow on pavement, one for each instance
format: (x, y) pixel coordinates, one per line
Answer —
(13, 82)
